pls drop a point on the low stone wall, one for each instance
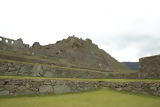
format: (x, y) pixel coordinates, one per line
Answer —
(10, 43)
(47, 86)
(32, 86)
(152, 88)
(149, 67)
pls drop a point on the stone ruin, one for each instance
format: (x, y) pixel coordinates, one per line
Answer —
(6, 42)
(66, 53)
(66, 50)
(150, 67)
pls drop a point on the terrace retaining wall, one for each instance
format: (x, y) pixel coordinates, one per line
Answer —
(45, 70)
(39, 70)
(48, 86)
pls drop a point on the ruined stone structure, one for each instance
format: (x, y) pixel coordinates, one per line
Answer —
(13, 68)
(48, 86)
(150, 67)
(10, 43)
(68, 58)
(41, 70)
(71, 52)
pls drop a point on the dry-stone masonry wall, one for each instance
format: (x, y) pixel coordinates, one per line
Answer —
(12, 43)
(48, 86)
(13, 68)
(22, 69)
(150, 67)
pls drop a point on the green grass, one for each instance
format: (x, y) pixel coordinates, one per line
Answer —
(98, 98)
(81, 79)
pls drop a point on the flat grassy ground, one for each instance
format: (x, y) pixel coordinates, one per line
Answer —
(98, 98)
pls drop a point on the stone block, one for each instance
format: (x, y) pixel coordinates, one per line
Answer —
(45, 89)
(62, 89)
(4, 92)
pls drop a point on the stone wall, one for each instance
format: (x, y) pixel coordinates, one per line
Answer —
(44, 70)
(48, 86)
(150, 67)
(13, 68)
(10, 43)
(21, 69)
(123, 75)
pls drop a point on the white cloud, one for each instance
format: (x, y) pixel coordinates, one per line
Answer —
(47, 21)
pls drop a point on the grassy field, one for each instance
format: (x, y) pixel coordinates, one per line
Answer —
(98, 98)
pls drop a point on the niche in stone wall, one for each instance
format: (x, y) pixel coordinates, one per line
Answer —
(6, 41)
(0, 40)
(12, 42)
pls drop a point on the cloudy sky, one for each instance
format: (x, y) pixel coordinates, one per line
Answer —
(126, 29)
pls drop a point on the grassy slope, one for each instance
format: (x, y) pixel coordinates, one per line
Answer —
(98, 98)
(80, 79)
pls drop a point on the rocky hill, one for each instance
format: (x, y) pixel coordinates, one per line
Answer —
(82, 53)
(68, 58)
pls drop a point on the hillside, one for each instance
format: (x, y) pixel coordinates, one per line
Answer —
(82, 53)
(68, 58)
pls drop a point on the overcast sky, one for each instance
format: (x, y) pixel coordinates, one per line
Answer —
(126, 29)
